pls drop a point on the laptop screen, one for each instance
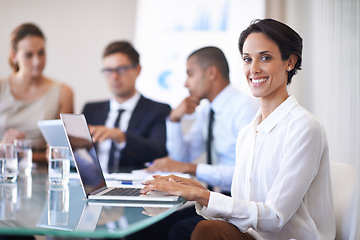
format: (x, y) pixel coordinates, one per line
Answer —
(83, 150)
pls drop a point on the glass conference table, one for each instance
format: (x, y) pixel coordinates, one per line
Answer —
(31, 206)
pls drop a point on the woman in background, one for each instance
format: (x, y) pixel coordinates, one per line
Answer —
(281, 187)
(27, 96)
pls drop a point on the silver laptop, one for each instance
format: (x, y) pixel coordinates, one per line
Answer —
(88, 166)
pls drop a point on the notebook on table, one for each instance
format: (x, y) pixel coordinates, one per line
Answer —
(89, 168)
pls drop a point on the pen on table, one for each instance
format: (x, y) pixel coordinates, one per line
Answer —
(127, 182)
(130, 182)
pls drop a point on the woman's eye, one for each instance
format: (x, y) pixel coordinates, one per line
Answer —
(265, 58)
(247, 59)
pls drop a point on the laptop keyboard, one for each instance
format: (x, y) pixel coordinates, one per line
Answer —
(123, 192)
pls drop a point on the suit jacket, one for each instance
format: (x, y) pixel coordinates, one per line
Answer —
(146, 133)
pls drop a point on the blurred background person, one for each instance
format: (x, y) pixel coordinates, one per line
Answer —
(27, 96)
(129, 129)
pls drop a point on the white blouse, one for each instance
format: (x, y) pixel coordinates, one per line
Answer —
(281, 187)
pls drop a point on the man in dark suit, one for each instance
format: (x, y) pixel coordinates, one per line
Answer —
(128, 129)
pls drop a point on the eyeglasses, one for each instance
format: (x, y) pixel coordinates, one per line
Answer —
(121, 70)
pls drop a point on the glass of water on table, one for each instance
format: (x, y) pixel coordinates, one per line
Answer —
(24, 155)
(8, 163)
(59, 165)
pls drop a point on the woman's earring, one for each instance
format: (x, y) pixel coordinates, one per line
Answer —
(289, 68)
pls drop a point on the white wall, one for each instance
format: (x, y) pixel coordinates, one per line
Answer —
(330, 82)
(77, 33)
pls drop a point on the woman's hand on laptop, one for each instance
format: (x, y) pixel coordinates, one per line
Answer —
(186, 181)
(189, 189)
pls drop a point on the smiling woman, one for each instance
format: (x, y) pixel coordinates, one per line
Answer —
(281, 188)
(27, 96)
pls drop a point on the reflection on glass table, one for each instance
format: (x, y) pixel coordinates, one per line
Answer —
(57, 212)
(8, 200)
(32, 206)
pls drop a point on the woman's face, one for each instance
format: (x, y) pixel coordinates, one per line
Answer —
(30, 56)
(264, 69)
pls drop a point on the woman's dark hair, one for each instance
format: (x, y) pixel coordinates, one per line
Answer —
(288, 41)
(125, 48)
(19, 33)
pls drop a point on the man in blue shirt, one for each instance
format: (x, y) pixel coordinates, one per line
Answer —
(208, 79)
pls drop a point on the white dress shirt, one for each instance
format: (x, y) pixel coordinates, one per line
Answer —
(233, 110)
(128, 106)
(281, 186)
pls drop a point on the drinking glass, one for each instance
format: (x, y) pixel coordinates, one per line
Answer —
(24, 155)
(59, 165)
(8, 163)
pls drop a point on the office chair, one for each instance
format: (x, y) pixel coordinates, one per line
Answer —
(345, 188)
